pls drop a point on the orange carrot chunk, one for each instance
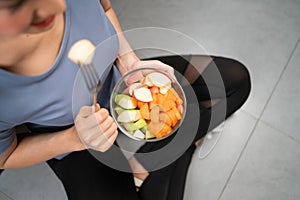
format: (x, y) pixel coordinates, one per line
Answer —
(140, 104)
(168, 105)
(172, 116)
(177, 113)
(178, 100)
(144, 110)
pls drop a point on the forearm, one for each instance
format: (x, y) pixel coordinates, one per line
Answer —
(126, 56)
(38, 148)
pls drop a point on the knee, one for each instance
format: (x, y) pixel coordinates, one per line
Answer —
(242, 80)
(236, 77)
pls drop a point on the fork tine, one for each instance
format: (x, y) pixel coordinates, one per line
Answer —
(94, 74)
(86, 77)
(90, 76)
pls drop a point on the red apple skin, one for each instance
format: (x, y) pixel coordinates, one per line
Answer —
(154, 90)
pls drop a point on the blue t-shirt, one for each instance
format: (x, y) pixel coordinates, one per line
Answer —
(53, 98)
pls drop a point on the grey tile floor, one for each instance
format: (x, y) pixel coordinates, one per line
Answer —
(257, 156)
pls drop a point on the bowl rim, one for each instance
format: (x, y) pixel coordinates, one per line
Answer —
(113, 112)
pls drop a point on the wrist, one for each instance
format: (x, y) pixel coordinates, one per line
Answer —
(73, 139)
(126, 61)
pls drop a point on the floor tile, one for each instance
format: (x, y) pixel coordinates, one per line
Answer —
(207, 177)
(260, 34)
(283, 110)
(4, 196)
(33, 183)
(119, 6)
(268, 169)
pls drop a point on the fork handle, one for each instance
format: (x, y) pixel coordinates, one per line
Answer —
(94, 108)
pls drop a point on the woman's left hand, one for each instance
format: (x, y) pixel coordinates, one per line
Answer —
(149, 63)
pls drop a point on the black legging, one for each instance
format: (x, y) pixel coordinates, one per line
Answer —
(84, 177)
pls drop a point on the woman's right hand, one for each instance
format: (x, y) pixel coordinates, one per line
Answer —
(97, 130)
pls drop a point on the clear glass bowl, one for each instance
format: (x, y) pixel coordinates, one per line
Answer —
(122, 87)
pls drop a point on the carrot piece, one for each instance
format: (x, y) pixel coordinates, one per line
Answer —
(177, 113)
(161, 98)
(151, 105)
(178, 100)
(144, 110)
(164, 131)
(154, 97)
(168, 120)
(171, 96)
(168, 105)
(140, 104)
(173, 117)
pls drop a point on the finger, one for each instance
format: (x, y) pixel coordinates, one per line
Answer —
(109, 142)
(107, 123)
(110, 131)
(100, 115)
(101, 139)
(97, 107)
(134, 78)
(85, 111)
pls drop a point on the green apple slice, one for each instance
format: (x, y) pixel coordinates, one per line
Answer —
(129, 116)
(132, 126)
(129, 126)
(148, 135)
(143, 94)
(139, 134)
(125, 101)
(118, 109)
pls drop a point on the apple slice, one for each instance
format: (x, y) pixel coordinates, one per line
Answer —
(134, 86)
(82, 52)
(118, 109)
(132, 126)
(147, 82)
(154, 114)
(155, 128)
(158, 79)
(143, 94)
(165, 89)
(125, 101)
(129, 126)
(139, 134)
(129, 116)
(148, 135)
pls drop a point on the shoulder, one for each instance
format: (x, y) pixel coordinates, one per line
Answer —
(105, 4)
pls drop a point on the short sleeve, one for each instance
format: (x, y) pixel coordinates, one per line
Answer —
(6, 137)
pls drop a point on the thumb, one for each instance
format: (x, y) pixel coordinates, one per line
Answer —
(134, 78)
(97, 107)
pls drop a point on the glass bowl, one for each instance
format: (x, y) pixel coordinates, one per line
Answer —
(146, 118)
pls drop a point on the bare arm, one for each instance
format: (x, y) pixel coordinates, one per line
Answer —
(38, 148)
(126, 57)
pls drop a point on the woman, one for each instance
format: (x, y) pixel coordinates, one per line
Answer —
(35, 37)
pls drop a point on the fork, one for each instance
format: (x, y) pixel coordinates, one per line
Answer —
(92, 81)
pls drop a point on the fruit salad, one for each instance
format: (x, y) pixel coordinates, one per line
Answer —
(150, 108)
